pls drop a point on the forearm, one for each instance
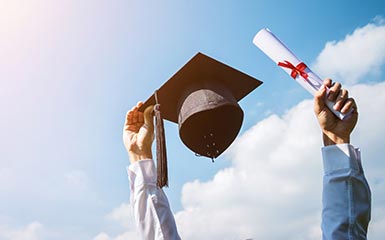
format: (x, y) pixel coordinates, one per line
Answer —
(152, 212)
(346, 194)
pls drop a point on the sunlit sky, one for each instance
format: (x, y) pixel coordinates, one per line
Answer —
(69, 71)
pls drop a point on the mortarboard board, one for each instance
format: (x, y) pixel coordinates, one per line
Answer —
(202, 98)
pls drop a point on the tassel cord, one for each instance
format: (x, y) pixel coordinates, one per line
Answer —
(162, 171)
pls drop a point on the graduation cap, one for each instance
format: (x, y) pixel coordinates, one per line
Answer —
(202, 98)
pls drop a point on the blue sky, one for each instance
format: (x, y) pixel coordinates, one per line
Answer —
(70, 70)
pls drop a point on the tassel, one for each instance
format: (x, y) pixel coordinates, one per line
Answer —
(161, 155)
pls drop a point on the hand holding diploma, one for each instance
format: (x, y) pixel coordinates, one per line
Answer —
(298, 70)
(335, 131)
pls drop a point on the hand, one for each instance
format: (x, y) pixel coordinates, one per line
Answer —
(138, 133)
(335, 131)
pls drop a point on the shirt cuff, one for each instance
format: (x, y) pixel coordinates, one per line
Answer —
(142, 172)
(341, 156)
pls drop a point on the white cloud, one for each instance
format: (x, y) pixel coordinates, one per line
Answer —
(102, 236)
(123, 216)
(127, 235)
(32, 231)
(359, 54)
(276, 165)
(276, 175)
(124, 236)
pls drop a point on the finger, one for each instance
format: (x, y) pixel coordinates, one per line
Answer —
(341, 99)
(128, 123)
(319, 103)
(130, 114)
(348, 105)
(328, 82)
(148, 116)
(131, 118)
(334, 90)
(128, 119)
(137, 117)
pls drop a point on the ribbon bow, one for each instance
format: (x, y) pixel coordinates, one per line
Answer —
(295, 70)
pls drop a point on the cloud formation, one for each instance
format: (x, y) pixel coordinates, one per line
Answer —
(123, 216)
(273, 165)
(359, 54)
(275, 180)
(32, 231)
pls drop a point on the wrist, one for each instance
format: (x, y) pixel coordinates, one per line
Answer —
(134, 157)
(333, 139)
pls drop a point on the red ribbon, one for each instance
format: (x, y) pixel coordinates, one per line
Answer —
(295, 70)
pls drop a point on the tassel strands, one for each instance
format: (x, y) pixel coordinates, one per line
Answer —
(161, 156)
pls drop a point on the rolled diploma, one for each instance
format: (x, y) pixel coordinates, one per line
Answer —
(278, 52)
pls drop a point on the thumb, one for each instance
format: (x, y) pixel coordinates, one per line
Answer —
(319, 100)
(148, 116)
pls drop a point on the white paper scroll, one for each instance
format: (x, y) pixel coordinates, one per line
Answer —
(283, 57)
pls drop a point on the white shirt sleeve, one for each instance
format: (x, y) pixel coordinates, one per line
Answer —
(152, 212)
